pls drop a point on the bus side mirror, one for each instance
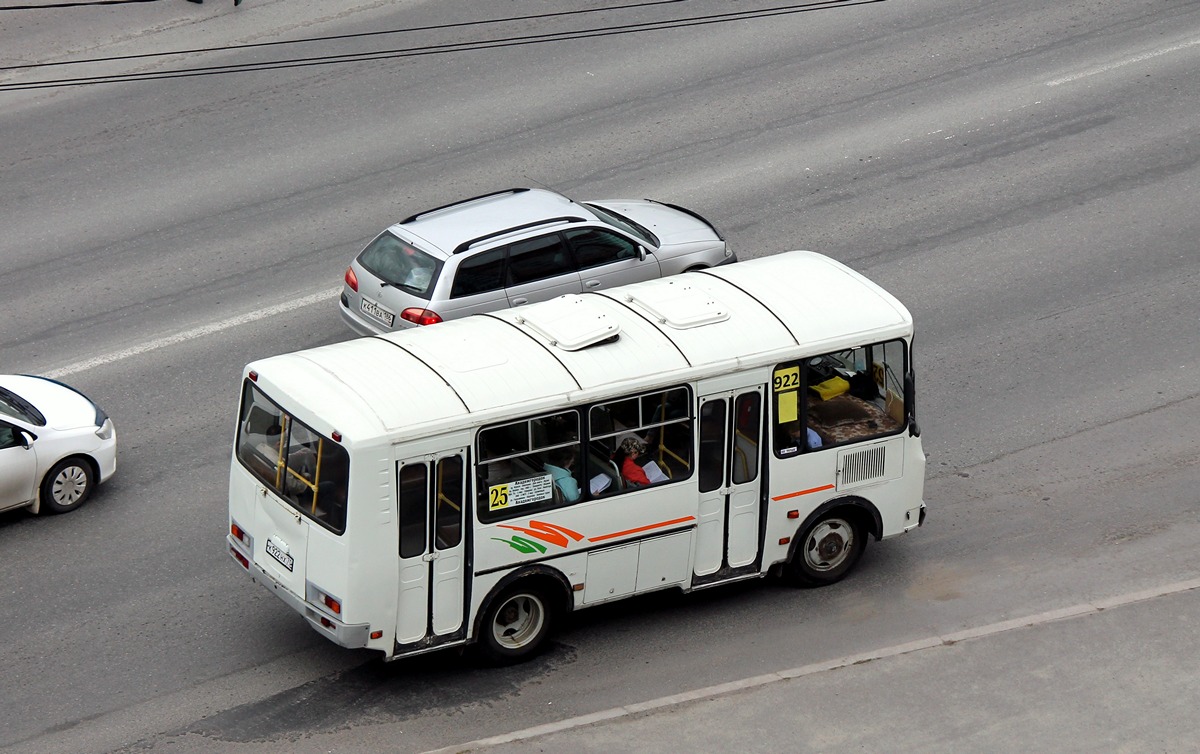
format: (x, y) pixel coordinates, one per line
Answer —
(910, 405)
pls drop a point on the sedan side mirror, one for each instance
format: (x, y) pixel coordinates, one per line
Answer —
(641, 252)
(27, 438)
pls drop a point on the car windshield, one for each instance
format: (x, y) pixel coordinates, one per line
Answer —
(401, 264)
(624, 223)
(15, 406)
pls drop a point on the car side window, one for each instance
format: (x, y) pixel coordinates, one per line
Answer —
(8, 437)
(538, 258)
(594, 247)
(479, 274)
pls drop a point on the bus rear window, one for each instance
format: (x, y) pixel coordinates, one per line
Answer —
(309, 471)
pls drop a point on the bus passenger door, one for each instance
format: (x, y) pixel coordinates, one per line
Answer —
(729, 482)
(432, 548)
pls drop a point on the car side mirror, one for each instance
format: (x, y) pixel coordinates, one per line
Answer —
(27, 439)
(641, 252)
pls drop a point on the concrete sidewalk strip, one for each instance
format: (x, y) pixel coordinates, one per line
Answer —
(767, 679)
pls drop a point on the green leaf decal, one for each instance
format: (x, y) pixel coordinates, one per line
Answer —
(521, 544)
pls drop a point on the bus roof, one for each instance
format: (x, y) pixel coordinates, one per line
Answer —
(505, 364)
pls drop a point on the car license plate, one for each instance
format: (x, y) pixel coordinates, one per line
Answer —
(374, 310)
(284, 558)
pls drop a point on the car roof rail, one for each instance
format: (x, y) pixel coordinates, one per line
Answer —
(421, 214)
(548, 221)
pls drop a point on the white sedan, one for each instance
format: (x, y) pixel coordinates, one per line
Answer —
(56, 445)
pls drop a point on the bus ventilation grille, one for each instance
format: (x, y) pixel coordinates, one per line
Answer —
(864, 465)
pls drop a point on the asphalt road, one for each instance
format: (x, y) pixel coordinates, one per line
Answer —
(1024, 175)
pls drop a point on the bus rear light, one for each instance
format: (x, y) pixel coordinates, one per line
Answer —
(253, 376)
(239, 533)
(351, 279)
(240, 558)
(337, 436)
(326, 622)
(420, 316)
(376, 634)
(315, 595)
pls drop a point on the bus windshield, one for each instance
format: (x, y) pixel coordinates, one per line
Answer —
(306, 469)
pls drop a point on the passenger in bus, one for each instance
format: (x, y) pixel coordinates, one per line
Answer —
(627, 454)
(562, 460)
(805, 437)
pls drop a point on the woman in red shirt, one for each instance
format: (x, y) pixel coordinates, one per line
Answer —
(627, 456)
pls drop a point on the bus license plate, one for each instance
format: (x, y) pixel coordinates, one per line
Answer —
(287, 560)
(374, 310)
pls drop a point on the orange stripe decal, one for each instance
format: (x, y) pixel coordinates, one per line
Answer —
(659, 525)
(822, 488)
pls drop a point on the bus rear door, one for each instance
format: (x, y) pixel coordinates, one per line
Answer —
(432, 548)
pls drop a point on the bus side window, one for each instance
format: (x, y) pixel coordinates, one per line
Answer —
(652, 432)
(516, 472)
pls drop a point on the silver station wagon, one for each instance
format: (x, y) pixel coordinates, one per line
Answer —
(515, 247)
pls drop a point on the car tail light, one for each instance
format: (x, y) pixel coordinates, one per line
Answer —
(421, 316)
(351, 279)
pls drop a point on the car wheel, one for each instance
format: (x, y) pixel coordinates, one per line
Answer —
(516, 625)
(67, 486)
(828, 550)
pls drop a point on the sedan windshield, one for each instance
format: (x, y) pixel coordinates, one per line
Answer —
(401, 264)
(17, 407)
(625, 224)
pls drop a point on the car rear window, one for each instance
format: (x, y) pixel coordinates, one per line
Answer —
(401, 264)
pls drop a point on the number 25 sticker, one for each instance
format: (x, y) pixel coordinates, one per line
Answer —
(497, 497)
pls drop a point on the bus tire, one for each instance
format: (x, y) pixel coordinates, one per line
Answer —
(67, 486)
(828, 549)
(516, 624)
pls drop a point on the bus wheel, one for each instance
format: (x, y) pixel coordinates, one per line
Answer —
(67, 486)
(516, 625)
(828, 550)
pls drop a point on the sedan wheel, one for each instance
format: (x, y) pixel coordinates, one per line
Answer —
(67, 486)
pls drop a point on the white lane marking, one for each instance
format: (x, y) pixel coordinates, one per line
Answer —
(195, 332)
(1075, 611)
(1121, 63)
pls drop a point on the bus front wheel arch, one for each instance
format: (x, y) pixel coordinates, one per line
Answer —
(518, 621)
(828, 547)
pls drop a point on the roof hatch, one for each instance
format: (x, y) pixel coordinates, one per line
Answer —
(570, 322)
(677, 304)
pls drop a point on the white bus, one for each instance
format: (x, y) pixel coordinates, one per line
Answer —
(472, 481)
